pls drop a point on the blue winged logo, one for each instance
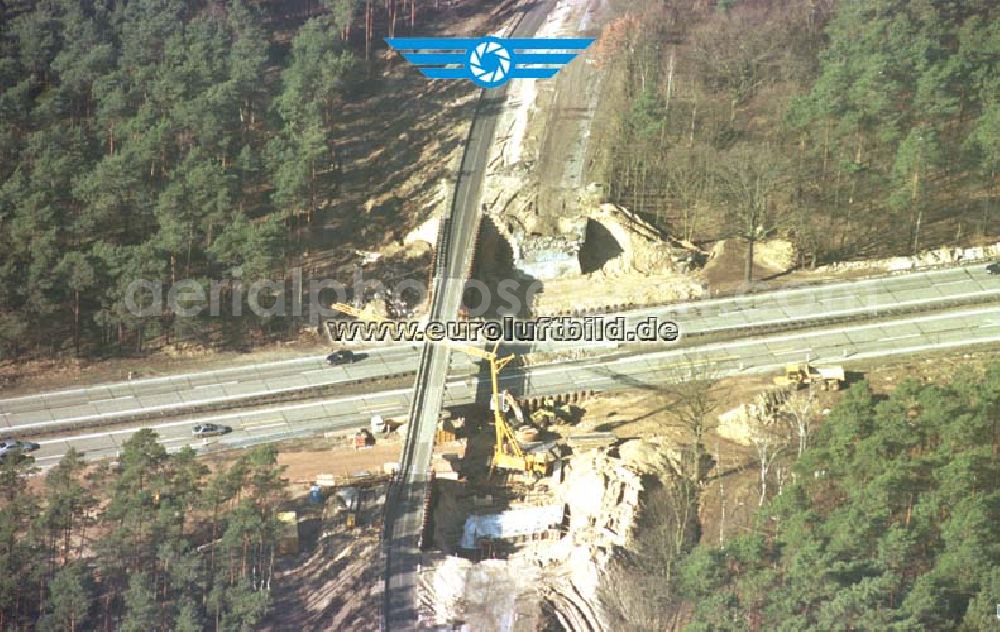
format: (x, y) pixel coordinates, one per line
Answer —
(489, 62)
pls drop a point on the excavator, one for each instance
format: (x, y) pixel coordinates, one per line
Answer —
(507, 451)
(546, 413)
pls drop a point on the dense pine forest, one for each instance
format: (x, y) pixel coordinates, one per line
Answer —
(158, 140)
(168, 140)
(889, 523)
(157, 542)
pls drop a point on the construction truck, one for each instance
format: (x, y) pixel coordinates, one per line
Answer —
(798, 374)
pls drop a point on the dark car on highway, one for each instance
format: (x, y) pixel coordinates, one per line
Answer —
(210, 430)
(993, 268)
(344, 356)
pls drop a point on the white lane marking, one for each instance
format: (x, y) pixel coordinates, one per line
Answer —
(827, 331)
(96, 435)
(229, 383)
(707, 349)
(899, 338)
(384, 409)
(175, 440)
(315, 371)
(159, 407)
(763, 368)
(259, 367)
(168, 378)
(109, 399)
(237, 415)
(266, 421)
(249, 427)
(928, 347)
(874, 309)
(791, 352)
(952, 282)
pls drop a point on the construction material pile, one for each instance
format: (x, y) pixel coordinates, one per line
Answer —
(740, 424)
(600, 493)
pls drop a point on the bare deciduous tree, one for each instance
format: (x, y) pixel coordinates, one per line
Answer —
(639, 594)
(770, 440)
(690, 185)
(801, 405)
(749, 182)
(694, 400)
(736, 54)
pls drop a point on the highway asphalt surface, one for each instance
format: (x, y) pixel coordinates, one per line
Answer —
(972, 327)
(180, 393)
(176, 394)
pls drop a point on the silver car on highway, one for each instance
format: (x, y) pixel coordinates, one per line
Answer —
(14, 446)
(210, 430)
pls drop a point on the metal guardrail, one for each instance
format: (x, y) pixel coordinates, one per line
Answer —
(402, 479)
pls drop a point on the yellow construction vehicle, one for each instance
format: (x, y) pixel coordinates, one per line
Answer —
(507, 451)
(360, 314)
(546, 414)
(550, 413)
(797, 374)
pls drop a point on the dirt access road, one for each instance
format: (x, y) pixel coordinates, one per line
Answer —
(567, 107)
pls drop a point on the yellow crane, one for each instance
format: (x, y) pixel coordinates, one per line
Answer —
(507, 451)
